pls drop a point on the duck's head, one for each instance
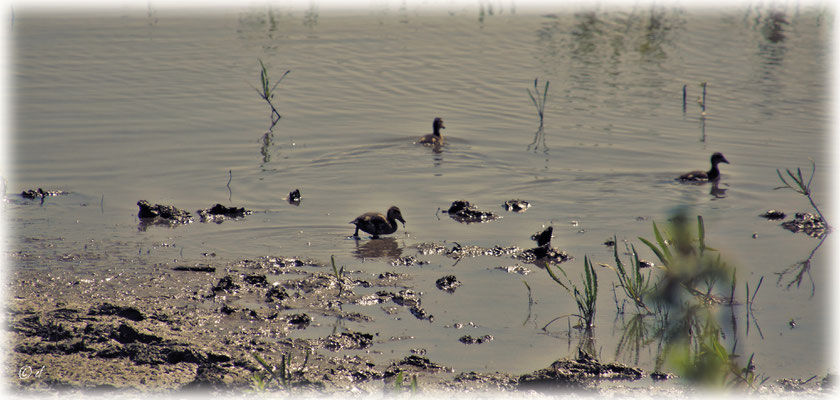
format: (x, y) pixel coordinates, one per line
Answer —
(438, 125)
(718, 158)
(394, 213)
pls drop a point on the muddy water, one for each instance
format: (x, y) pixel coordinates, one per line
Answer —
(118, 107)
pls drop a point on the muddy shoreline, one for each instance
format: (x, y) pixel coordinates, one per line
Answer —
(182, 328)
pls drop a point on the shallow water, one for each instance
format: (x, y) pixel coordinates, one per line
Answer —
(115, 108)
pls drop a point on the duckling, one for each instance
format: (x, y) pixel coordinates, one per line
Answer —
(377, 224)
(710, 175)
(434, 138)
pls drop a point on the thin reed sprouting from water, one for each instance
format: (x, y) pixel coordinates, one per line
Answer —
(230, 179)
(539, 102)
(267, 93)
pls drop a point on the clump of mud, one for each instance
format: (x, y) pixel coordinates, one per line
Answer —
(220, 213)
(467, 339)
(448, 283)
(463, 211)
(161, 215)
(578, 373)
(811, 224)
(516, 205)
(40, 193)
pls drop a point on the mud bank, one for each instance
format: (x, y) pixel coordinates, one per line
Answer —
(182, 329)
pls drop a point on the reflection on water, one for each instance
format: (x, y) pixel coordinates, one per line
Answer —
(601, 40)
(386, 247)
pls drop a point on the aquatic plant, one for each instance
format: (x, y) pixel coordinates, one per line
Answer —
(339, 275)
(587, 300)
(399, 385)
(539, 103)
(686, 297)
(283, 377)
(266, 91)
(636, 286)
(801, 187)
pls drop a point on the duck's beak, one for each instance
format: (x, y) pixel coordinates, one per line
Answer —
(403, 221)
(725, 160)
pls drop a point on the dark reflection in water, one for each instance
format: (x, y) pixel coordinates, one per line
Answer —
(539, 140)
(265, 148)
(800, 269)
(378, 248)
(716, 191)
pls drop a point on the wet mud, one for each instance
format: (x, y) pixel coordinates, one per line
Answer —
(197, 328)
(464, 212)
(219, 213)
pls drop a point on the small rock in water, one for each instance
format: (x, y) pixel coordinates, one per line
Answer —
(516, 205)
(294, 197)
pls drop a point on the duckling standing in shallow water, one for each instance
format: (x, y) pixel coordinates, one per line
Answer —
(434, 138)
(377, 224)
(702, 176)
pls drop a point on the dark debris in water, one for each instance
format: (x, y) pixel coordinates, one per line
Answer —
(516, 205)
(448, 283)
(40, 193)
(811, 224)
(195, 268)
(463, 211)
(294, 197)
(219, 213)
(773, 215)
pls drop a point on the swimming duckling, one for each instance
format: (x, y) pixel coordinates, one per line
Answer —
(377, 224)
(434, 138)
(710, 175)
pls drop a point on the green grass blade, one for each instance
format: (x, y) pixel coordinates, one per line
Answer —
(661, 241)
(656, 251)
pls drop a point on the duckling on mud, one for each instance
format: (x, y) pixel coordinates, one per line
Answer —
(377, 224)
(705, 176)
(434, 139)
